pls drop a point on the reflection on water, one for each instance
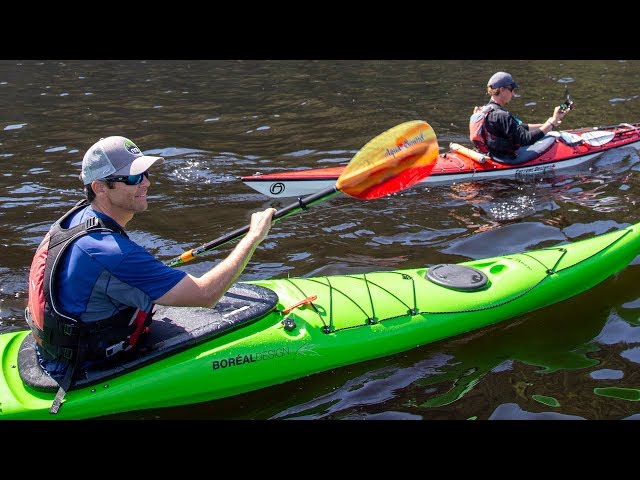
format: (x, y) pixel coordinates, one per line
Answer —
(215, 121)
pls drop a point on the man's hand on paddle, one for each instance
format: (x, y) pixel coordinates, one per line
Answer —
(261, 224)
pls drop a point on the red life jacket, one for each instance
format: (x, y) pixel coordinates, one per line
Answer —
(477, 131)
(61, 336)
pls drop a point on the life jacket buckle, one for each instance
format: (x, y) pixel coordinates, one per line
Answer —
(92, 222)
(113, 349)
(67, 353)
(68, 329)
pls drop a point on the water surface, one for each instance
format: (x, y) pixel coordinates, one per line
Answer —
(214, 121)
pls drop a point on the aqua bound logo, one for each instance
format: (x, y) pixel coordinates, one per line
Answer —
(405, 144)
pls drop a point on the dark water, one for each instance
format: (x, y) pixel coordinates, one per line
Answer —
(214, 121)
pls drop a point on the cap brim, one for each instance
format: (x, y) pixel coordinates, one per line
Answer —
(139, 165)
(503, 85)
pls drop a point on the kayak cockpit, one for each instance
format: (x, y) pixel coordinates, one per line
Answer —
(172, 329)
(529, 152)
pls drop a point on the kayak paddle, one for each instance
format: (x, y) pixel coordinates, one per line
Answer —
(393, 161)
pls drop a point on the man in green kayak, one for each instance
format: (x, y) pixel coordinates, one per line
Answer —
(493, 130)
(92, 289)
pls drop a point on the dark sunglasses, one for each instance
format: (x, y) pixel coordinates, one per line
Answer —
(128, 179)
(511, 88)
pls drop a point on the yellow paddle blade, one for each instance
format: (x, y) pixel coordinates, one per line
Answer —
(394, 160)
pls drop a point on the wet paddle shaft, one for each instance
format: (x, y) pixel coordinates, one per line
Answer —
(394, 160)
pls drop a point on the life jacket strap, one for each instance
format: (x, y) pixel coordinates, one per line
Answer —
(62, 391)
(69, 375)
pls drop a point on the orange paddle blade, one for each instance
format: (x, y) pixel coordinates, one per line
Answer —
(394, 160)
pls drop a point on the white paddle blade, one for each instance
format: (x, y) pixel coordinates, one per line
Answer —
(567, 137)
(598, 137)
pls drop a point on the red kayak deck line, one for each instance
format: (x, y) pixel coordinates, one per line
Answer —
(330, 173)
(570, 149)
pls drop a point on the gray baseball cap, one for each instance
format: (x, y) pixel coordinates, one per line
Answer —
(114, 156)
(502, 79)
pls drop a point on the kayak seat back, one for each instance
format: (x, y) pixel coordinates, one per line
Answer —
(172, 329)
(529, 152)
(457, 277)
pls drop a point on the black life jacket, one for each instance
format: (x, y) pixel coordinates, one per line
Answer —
(59, 335)
(485, 141)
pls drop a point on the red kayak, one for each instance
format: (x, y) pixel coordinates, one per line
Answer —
(556, 151)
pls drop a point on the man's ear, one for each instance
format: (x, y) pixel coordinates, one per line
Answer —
(98, 186)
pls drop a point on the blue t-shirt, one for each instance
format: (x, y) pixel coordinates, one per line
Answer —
(101, 273)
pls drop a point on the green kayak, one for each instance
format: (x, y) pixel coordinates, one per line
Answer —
(268, 332)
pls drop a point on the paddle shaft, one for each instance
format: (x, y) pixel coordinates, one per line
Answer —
(301, 204)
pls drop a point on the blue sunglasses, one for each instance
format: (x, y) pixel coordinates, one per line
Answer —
(128, 179)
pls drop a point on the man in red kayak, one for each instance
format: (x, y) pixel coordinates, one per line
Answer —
(92, 289)
(495, 131)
